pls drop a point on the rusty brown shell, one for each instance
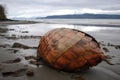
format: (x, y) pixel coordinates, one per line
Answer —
(69, 49)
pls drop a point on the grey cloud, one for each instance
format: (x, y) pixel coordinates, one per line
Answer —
(18, 7)
(66, 3)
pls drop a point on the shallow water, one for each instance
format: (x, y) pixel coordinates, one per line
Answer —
(109, 34)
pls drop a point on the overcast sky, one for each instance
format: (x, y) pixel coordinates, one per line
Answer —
(29, 8)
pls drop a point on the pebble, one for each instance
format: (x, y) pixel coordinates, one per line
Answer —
(30, 72)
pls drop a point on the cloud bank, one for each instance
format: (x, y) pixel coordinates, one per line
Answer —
(33, 8)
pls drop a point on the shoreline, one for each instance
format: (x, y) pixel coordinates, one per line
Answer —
(83, 22)
(5, 22)
(75, 22)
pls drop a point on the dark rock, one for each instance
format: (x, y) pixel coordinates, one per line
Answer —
(16, 73)
(109, 44)
(3, 46)
(21, 37)
(3, 30)
(18, 45)
(33, 62)
(30, 57)
(30, 72)
(36, 63)
(105, 49)
(117, 46)
(102, 43)
(13, 61)
(108, 57)
(15, 51)
(24, 31)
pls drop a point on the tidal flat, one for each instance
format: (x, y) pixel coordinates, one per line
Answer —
(20, 40)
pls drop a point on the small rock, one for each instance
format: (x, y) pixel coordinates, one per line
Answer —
(17, 73)
(3, 30)
(109, 44)
(35, 63)
(30, 57)
(3, 46)
(15, 51)
(117, 46)
(30, 72)
(105, 49)
(108, 57)
(18, 45)
(102, 43)
(24, 31)
(13, 61)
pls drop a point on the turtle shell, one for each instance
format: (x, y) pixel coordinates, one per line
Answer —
(69, 49)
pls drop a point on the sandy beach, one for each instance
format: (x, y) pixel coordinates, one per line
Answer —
(19, 40)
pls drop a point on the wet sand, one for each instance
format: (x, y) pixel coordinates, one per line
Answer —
(14, 66)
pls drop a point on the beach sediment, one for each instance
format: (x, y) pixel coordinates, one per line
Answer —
(14, 65)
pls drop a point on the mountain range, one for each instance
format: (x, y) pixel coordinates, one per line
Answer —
(82, 16)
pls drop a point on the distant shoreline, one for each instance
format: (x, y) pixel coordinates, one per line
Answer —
(83, 16)
(9, 21)
(83, 22)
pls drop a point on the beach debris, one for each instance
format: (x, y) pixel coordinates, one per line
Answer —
(19, 45)
(105, 49)
(108, 58)
(33, 60)
(13, 36)
(113, 45)
(12, 61)
(13, 50)
(28, 37)
(109, 44)
(102, 43)
(24, 31)
(35, 63)
(30, 57)
(30, 72)
(77, 77)
(3, 30)
(17, 73)
(69, 50)
(108, 62)
(117, 46)
(5, 45)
